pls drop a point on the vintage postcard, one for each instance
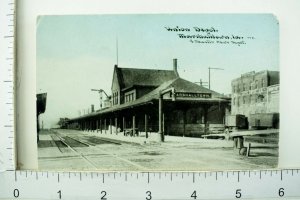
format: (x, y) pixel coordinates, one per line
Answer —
(157, 92)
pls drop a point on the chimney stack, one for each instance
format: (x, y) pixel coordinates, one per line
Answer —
(175, 67)
(92, 108)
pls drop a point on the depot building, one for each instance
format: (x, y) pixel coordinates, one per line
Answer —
(157, 101)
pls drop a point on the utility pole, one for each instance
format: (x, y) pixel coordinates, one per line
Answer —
(210, 75)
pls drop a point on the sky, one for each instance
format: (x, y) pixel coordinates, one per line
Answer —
(77, 53)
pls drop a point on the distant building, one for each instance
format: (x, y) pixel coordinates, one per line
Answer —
(255, 92)
(151, 100)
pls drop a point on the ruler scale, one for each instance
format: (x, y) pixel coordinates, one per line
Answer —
(267, 184)
(7, 61)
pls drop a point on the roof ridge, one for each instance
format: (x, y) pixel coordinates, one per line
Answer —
(171, 70)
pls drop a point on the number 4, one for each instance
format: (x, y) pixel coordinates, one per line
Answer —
(194, 195)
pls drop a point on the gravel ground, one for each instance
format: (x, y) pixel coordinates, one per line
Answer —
(119, 153)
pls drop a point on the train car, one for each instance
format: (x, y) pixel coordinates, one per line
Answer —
(264, 120)
(236, 121)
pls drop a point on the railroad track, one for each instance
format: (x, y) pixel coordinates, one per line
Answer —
(66, 140)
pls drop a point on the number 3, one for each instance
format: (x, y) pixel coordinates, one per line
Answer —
(149, 197)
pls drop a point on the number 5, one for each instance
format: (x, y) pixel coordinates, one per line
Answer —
(238, 193)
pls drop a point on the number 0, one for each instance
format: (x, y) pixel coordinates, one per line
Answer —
(16, 193)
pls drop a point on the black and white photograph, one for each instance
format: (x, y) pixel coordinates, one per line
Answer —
(157, 92)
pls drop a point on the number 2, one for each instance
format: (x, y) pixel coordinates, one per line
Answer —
(103, 195)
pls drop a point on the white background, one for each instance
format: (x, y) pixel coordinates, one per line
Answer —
(286, 11)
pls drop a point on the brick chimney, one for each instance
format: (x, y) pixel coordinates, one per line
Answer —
(175, 67)
(92, 108)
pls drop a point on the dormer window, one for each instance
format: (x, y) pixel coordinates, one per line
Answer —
(130, 96)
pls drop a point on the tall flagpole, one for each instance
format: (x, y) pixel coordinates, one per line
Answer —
(117, 49)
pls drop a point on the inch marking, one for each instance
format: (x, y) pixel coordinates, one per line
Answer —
(259, 174)
(148, 178)
(193, 177)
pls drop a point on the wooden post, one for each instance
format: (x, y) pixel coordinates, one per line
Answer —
(124, 125)
(163, 123)
(240, 142)
(248, 149)
(133, 125)
(160, 117)
(100, 126)
(184, 121)
(206, 126)
(116, 124)
(110, 126)
(105, 125)
(97, 126)
(146, 125)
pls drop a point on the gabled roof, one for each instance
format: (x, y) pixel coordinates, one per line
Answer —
(129, 77)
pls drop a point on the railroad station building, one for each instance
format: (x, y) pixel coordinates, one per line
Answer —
(157, 101)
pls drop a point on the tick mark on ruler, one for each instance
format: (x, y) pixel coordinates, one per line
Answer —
(148, 178)
(193, 177)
